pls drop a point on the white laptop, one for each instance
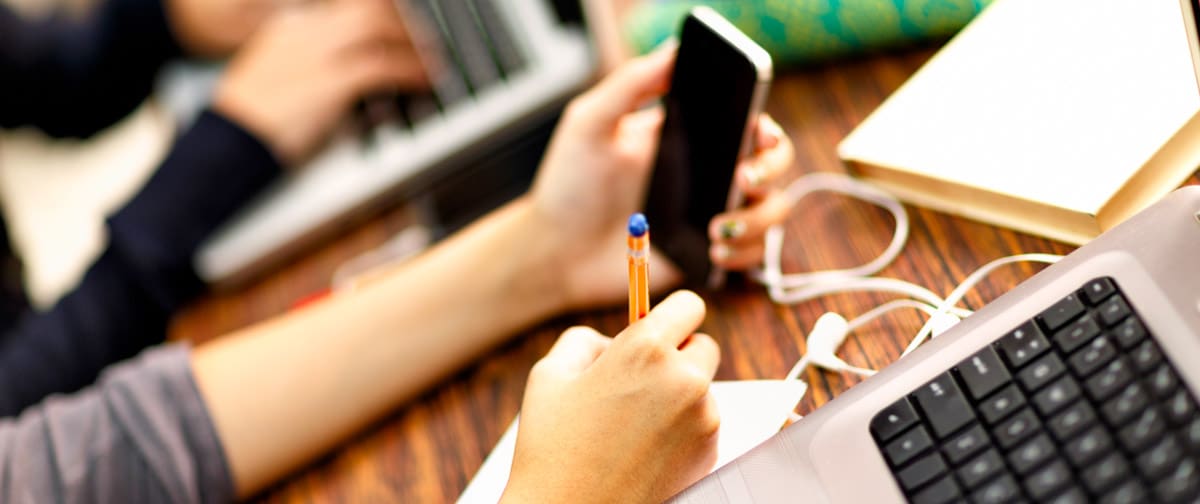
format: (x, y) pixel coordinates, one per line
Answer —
(509, 64)
(1077, 386)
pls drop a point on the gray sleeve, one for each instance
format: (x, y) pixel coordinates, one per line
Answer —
(142, 434)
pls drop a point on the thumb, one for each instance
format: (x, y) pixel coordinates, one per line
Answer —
(626, 88)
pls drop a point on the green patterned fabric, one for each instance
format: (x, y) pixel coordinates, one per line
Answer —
(809, 31)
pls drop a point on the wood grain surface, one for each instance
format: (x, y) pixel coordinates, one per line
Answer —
(428, 450)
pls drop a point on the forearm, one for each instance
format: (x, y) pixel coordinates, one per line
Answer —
(73, 77)
(287, 390)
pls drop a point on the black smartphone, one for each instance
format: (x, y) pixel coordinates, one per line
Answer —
(717, 91)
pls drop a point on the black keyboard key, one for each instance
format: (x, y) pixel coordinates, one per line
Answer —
(1022, 344)
(1046, 481)
(983, 373)
(1191, 436)
(1146, 357)
(1016, 429)
(1122, 408)
(371, 112)
(1129, 492)
(1077, 334)
(1071, 421)
(421, 108)
(1130, 333)
(964, 445)
(1146, 429)
(1057, 395)
(1115, 376)
(1113, 311)
(1062, 312)
(1180, 408)
(1160, 459)
(1089, 446)
(400, 102)
(981, 469)
(942, 491)
(910, 444)
(1106, 473)
(1096, 354)
(1072, 495)
(1180, 485)
(1000, 490)
(1162, 382)
(1000, 405)
(1041, 372)
(893, 419)
(944, 405)
(1032, 454)
(1097, 290)
(1104, 419)
(923, 470)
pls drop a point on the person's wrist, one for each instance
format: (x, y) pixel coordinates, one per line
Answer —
(230, 105)
(540, 264)
(288, 145)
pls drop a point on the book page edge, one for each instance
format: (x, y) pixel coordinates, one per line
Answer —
(1037, 218)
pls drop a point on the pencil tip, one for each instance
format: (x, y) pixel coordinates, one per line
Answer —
(638, 225)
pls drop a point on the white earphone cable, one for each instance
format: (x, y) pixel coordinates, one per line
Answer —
(831, 330)
(974, 278)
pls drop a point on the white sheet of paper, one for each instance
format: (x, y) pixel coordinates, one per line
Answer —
(751, 411)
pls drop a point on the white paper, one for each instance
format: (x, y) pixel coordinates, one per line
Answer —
(751, 411)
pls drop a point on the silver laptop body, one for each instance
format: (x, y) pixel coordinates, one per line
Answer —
(476, 105)
(846, 452)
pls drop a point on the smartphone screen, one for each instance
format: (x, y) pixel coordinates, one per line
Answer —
(713, 91)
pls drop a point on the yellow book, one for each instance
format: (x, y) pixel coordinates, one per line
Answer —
(1059, 118)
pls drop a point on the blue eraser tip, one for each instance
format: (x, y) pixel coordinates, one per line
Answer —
(638, 225)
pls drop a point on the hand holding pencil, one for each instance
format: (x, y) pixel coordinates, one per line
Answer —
(637, 405)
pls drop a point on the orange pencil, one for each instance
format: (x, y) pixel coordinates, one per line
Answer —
(639, 267)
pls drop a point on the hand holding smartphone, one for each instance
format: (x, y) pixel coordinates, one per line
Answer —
(717, 92)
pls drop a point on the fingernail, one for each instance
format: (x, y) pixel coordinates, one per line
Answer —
(731, 229)
(722, 252)
(774, 129)
(776, 136)
(753, 176)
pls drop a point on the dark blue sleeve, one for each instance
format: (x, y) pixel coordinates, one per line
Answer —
(73, 77)
(127, 296)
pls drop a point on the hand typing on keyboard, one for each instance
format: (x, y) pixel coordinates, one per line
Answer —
(626, 419)
(304, 68)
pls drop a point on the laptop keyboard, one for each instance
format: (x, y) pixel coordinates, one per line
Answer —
(1078, 404)
(477, 50)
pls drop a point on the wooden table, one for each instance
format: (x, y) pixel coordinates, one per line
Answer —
(427, 451)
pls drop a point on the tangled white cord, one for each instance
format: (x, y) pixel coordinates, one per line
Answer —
(792, 288)
(832, 329)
